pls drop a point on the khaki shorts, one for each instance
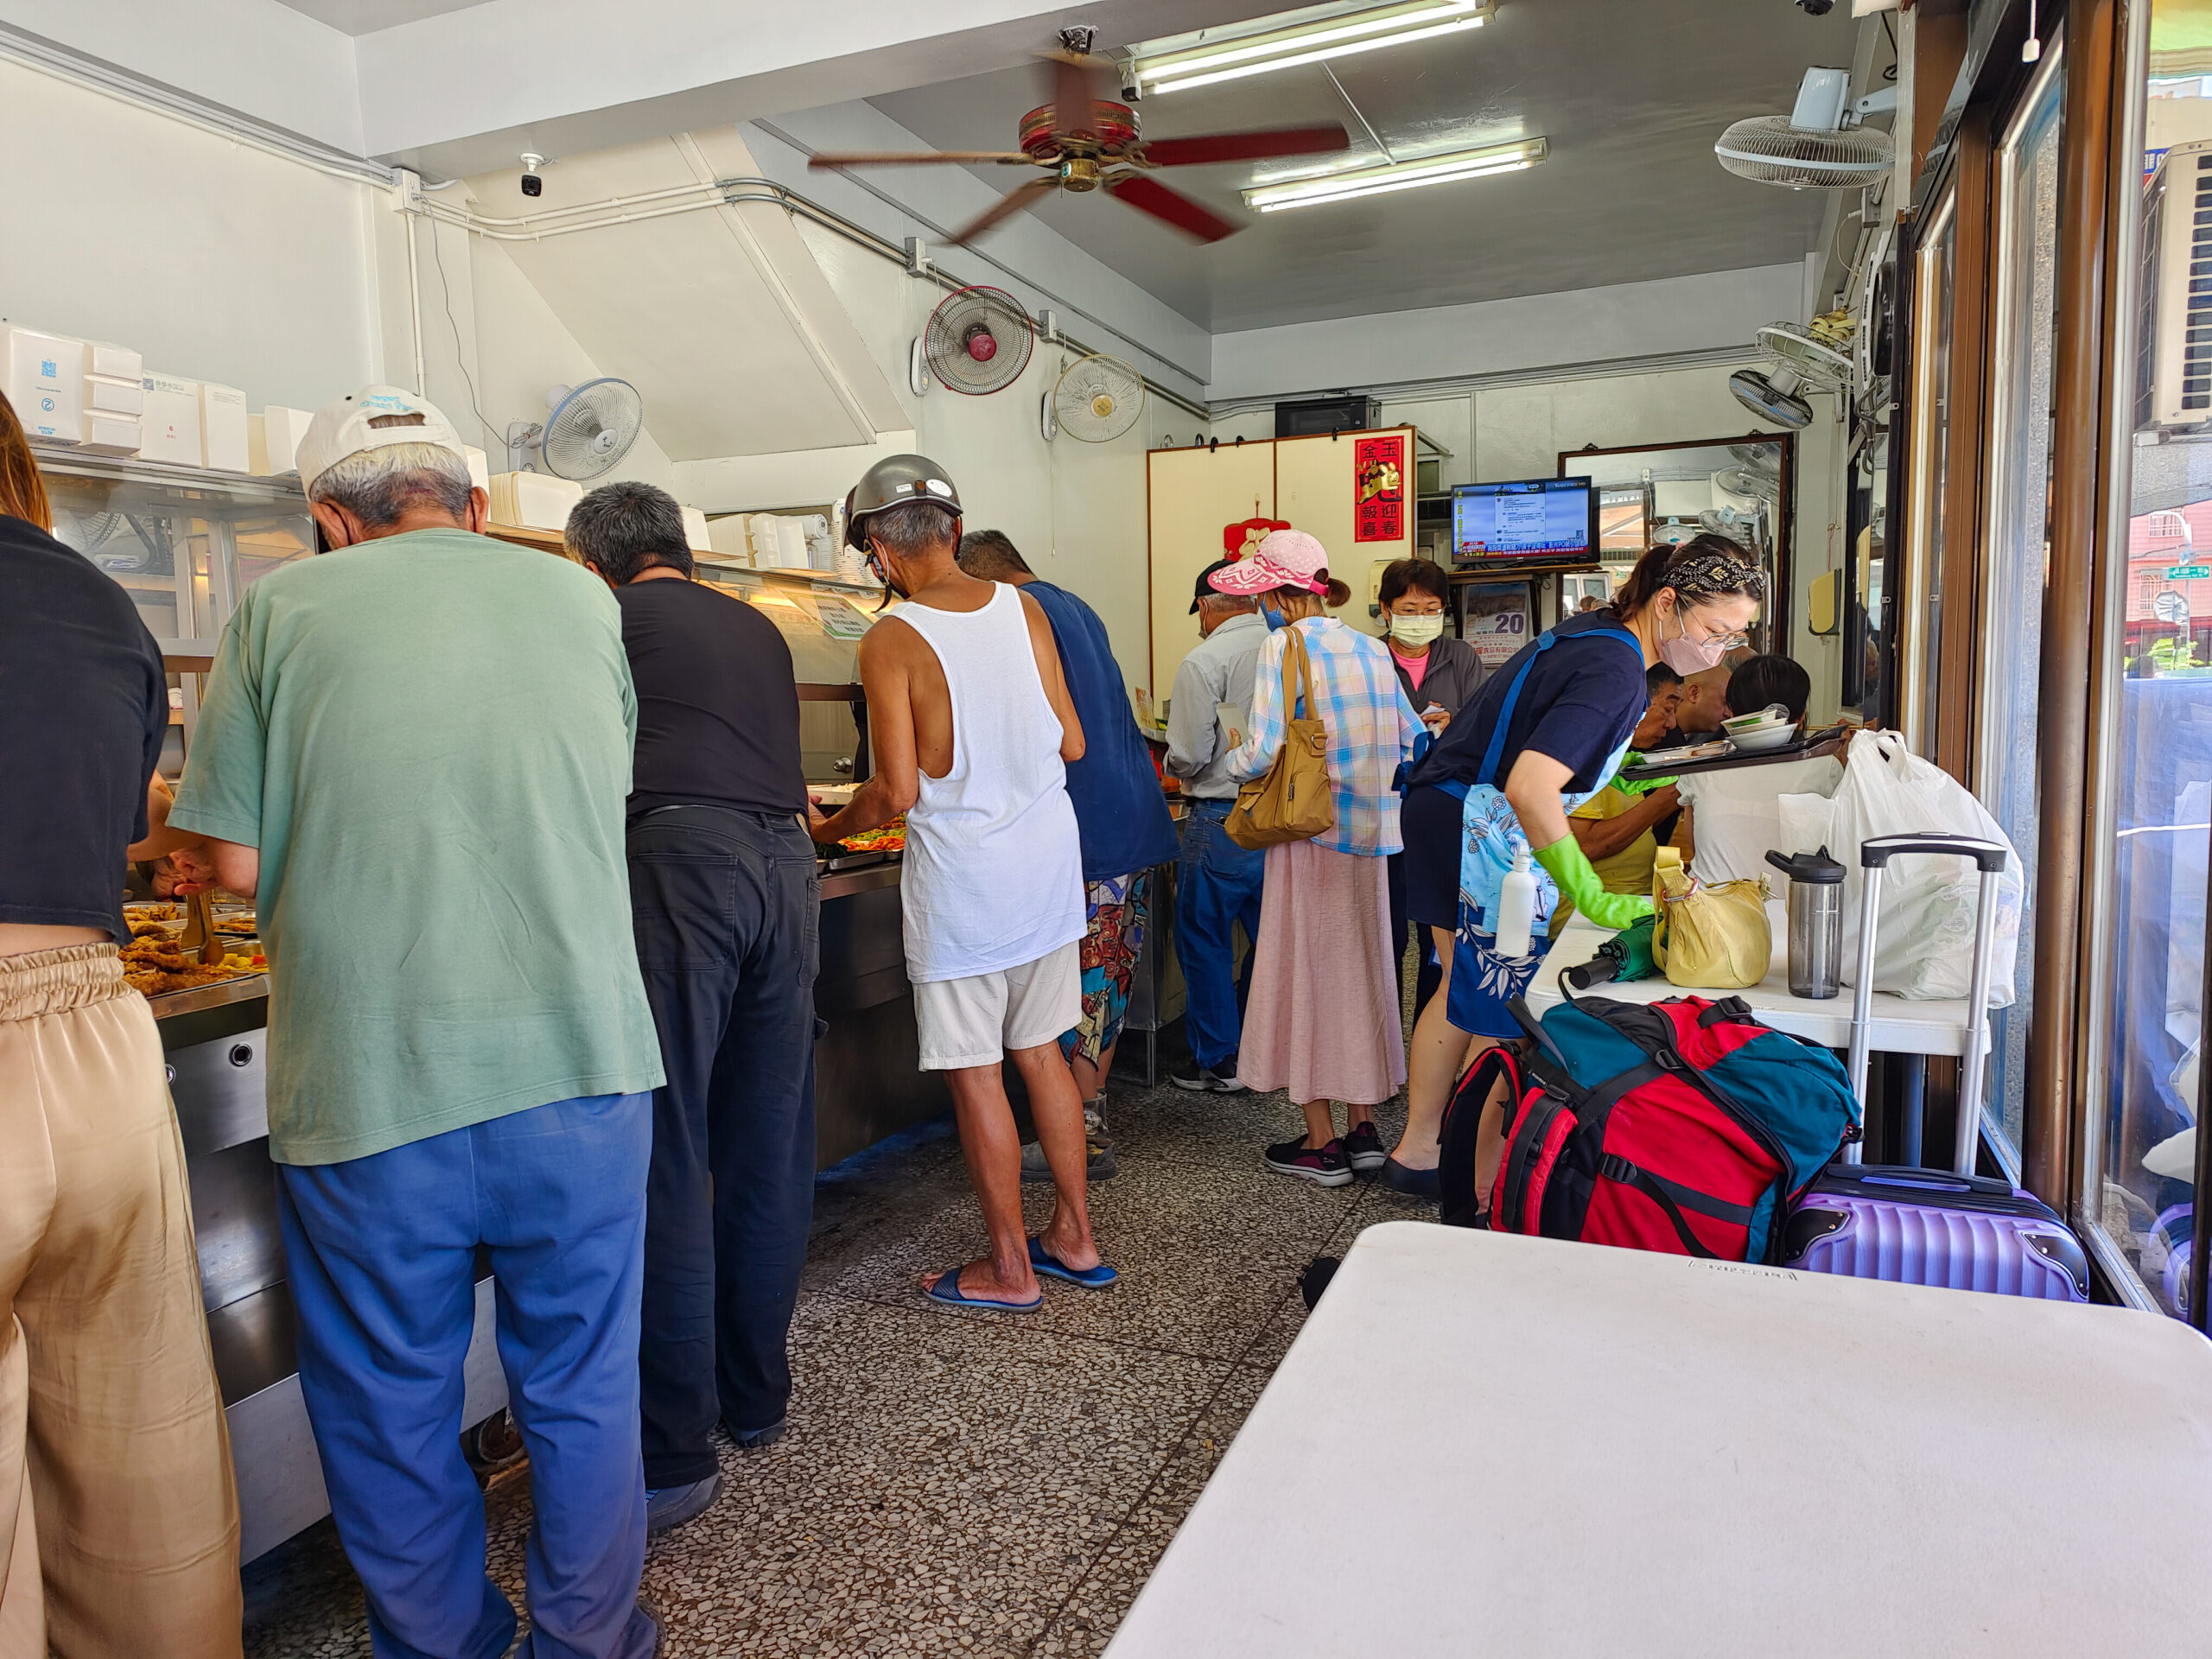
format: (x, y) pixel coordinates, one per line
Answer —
(979, 1020)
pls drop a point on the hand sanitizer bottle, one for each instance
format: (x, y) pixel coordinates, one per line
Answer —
(1516, 908)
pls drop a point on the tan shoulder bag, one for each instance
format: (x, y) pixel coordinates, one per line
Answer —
(1290, 801)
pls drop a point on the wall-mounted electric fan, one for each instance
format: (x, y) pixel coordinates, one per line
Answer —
(978, 341)
(588, 430)
(1819, 145)
(1098, 398)
(1798, 361)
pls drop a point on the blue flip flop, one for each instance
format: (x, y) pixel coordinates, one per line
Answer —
(946, 1294)
(1043, 1261)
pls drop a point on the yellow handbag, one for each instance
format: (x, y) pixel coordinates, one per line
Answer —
(1709, 938)
(1290, 801)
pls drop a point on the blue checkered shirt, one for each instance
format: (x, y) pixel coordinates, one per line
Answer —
(1370, 726)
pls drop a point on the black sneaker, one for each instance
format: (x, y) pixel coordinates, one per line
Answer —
(1206, 1080)
(1324, 1166)
(1363, 1148)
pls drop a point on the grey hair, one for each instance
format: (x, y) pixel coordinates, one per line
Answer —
(624, 528)
(380, 486)
(912, 527)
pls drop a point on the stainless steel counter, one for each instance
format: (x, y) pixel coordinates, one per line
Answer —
(867, 1086)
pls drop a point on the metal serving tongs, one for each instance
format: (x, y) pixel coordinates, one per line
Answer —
(200, 931)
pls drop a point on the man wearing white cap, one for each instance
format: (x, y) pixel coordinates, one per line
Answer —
(414, 752)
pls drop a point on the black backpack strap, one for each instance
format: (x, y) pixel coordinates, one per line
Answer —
(1618, 1169)
(1459, 1198)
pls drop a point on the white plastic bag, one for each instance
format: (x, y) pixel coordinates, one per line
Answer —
(1736, 814)
(1924, 942)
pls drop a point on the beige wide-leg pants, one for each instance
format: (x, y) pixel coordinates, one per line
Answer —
(115, 1469)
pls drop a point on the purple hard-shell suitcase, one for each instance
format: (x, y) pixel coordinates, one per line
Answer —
(1909, 1226)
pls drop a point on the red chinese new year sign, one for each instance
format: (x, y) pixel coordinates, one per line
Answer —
(1378, 473)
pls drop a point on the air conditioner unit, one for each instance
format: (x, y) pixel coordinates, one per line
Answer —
(1320, 417)
(2174, 360)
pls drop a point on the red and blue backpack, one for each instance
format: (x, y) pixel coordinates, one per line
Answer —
(1681, 1126)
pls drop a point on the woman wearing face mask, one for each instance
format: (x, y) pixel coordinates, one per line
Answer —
(1547, 729)
(1439, 673)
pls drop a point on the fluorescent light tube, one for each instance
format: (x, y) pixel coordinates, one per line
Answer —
(1285, 49)
(1398, 175)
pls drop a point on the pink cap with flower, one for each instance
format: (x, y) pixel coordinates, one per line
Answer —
(1284, 559)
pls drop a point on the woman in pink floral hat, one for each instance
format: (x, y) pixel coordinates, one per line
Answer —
(1323, 1021)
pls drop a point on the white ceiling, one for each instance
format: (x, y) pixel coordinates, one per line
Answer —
(366, 17)
(1631, 96)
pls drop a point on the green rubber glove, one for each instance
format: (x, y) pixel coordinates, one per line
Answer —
(1643, 787)
(1578, 882)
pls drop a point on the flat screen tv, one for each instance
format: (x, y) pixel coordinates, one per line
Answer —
(1547, 520)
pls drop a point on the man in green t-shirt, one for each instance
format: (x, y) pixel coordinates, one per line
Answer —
(413, 754)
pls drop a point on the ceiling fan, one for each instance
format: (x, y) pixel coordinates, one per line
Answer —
(1083, 142)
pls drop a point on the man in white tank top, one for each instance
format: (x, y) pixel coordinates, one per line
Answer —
(972, 728)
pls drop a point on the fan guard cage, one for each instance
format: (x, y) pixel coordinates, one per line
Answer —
(1767, 150)
(978, 341)
(1098, 399)
(592, 429)
(1823, 367)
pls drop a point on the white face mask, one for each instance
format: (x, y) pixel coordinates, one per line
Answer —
(1416, 630)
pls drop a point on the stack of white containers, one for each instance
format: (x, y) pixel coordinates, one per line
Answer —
(115, 397)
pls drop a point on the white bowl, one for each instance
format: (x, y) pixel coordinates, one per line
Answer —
(1760, 739)
(1773, 715)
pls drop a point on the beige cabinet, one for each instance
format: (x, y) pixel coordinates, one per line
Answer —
(1354, 492)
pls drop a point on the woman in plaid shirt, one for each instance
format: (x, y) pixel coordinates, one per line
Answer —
(1323, 1021)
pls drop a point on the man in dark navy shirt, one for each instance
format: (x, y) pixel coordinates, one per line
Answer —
(724, 897)
(1121, 815)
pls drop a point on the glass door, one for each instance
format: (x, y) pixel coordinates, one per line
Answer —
(2016, 558)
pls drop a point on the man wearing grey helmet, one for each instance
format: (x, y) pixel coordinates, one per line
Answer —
(992, 886)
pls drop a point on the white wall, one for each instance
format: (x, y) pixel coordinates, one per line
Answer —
(218, 261)
(1518, 430)
(1076, 511)
(1663, 317)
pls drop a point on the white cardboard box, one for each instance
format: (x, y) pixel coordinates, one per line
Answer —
(695, 531)
(114, 362)
(727, 535)
(103, 396)
(533, 500)
(272, 440)
(171, 420)
(112, 435)
(43, 376)
(223, 444)
(480, 467)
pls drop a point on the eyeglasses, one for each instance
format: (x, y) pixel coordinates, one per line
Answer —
(1727, 642)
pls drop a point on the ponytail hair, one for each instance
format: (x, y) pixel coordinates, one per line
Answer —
(1706, 567)
(1338, 595)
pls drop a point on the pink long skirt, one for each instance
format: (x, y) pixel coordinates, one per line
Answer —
(1322, 1021)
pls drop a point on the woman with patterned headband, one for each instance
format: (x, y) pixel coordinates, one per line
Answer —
(1546, 730)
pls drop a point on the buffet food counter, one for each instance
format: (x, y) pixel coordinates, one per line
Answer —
(212, 1018)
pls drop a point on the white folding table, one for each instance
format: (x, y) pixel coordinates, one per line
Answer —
(1485, 1444)
(1897, 1025)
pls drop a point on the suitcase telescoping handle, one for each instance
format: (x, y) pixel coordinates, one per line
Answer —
(1989, 857)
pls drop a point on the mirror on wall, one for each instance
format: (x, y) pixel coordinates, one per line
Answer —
(1741, 487)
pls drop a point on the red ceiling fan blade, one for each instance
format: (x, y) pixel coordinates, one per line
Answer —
(917, 157)
(1075, 96)
(1024, 195)
(1245, 146)
(1150, 196)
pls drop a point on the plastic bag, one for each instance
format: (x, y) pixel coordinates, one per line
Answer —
(1709, 936)
(1923, 944)
(1736, 817)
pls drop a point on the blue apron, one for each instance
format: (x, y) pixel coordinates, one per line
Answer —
(1489, 835)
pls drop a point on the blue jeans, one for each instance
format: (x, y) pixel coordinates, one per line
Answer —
(1217, 884)
(382, 1251)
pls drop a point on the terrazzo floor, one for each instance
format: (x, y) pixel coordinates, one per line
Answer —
(964, 1484)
